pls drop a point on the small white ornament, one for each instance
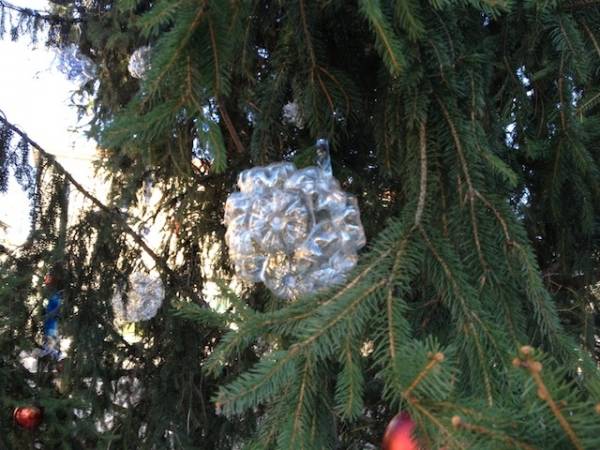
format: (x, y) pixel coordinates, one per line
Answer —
(292, 115)
(294, 230)
(139, 62)
(144, 298)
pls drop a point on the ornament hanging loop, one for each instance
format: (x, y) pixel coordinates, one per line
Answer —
(323, 158)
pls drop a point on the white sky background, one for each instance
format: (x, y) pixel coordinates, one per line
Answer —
(35, 96)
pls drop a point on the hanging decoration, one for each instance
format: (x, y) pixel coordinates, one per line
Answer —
(293, 229)
(399, 434)
(292, 115)
(28, 417)
(51, 345)
(142, 301)
(75, 65)
(139, 62)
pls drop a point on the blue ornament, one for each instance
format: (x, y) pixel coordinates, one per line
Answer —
(51, 313)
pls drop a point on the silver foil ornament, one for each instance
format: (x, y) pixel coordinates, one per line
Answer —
(139, 62)
(75, 65)
(293, 229)
(142, 301)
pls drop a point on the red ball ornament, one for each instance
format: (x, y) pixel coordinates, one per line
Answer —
(28, 417)
(399, 434)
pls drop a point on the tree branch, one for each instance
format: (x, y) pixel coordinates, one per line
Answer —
(117, 217)
(51, 18)
(423, 184)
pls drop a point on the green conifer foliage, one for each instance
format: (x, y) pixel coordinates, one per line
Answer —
(470, 133)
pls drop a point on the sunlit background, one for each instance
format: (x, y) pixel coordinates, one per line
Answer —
(36, 96)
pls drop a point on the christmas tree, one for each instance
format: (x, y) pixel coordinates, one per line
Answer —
(468, 130)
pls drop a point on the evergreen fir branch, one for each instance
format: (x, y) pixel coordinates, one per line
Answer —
(445, 430)
(545, 314)
(336, 80)
(469, 316)
(230, 127)
(162, 14)
(459, 423)
(298, 428)
(323, 330)
(499, 166)
(528, 362)
(590, 100)
(407, 13)
(435, 359)
(574, 44)
(215, 140)
(350, 383)
(471, 190)
(263, 382)
(388, 44)
(215, 51)
(591, 36)
(307, 36)
(203, 316)
(181, 35)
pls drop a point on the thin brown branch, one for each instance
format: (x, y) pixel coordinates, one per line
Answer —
(230, 127)
(471, 189)
(339, 85)
(176, 54)
(499, 217)
(434, 360)
(419, 407)
(115, 215)
(591, 36)
(423, 182)
(458, 422)
(300, 400)
(581, 4)
(535, 368)
(561, 80)
(467, 311)
(35, 14)
(311, 52)
(390, 299)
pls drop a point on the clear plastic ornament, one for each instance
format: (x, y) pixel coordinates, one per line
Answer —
(75, 65)
(142, 301)
(139, 62)
(292, 115)
(293, 229)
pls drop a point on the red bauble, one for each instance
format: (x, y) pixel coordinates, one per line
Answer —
(399, 434)
(28, 417)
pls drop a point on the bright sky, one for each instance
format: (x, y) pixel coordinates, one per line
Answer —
(35, 96)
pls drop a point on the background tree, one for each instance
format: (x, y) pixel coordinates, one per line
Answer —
(469, 132)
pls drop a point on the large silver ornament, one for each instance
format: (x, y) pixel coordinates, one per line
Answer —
(294, 230)
(143, 299)
(139, 62)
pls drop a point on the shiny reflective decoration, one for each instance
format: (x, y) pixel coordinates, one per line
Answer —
(51, 313)
(29, 417)
(292, 115)
(139, 62)
(75, 65)
(294, 230)
(399, 434)
(142, 301)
